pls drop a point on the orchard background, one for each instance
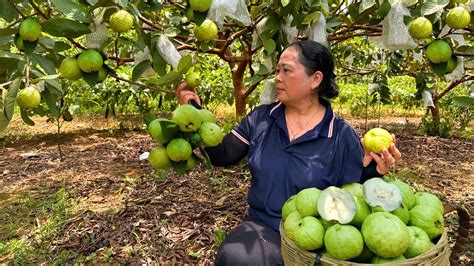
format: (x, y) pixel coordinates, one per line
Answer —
(72, 187)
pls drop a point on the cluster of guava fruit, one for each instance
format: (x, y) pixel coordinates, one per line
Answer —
(188, 130)
(379, 221)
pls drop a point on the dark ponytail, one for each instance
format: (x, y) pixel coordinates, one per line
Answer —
(316, 57)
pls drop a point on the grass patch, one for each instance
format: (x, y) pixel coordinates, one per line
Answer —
(30, 221)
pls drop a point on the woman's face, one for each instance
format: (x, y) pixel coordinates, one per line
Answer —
(292, 83)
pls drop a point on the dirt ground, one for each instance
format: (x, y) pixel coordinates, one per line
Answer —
(124, 212)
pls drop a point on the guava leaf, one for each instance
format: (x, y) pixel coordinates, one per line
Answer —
(72, 9)
(168, 129)
(26, 118)
(140, 68)
(62, 27)
(464, 101)
(179, 167)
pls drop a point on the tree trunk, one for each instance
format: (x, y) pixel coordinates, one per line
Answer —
(239, 89)
(435, 110)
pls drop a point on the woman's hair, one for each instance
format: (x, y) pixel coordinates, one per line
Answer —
(316, 57)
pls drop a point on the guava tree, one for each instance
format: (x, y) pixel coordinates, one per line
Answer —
(49, 45)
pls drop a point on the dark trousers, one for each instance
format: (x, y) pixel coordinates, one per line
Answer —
(251, 243)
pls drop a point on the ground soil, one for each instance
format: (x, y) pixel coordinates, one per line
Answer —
(127, 213)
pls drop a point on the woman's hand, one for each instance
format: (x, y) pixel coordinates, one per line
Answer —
(387, 158)
(185, 94)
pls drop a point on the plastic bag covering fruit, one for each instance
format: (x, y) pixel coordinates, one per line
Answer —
(168, 51)
(187, 117)
(335, 204)
(395, 33)
(380, 193)
(234, 9)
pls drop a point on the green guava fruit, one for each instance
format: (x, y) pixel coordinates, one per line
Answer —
(189, 13)
(439, 51)
(419, 242)
(427, 218)
(121, 21)
(288, 207)
(207, 31)
(458, 18)
(385, 234)
(420, 28)
(28, 98)
(90, 61)
(191, 163)
(380, 260)
(193, 79)
(69, 69)
(335, 204)
(200, 5)
(211, 134)
(452, 64)
(19, 42)
(187, 117)
(102, 75)
(30, 30)
(207, 116)
(292, 222)
(179, 150)
(380, 193)
(408, 195)
(158, 158)
(309, 235)
(162, 130)
(377, 139)
(362, 211)
(365, 256)
(426, 198)
(343, 242)
(403, 213)
(307, 201)
(355, 189)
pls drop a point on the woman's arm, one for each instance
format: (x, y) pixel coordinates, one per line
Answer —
(230, 151)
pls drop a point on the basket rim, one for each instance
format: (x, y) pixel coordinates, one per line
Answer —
(438, 248)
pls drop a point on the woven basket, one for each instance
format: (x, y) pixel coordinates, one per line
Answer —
(293, 255)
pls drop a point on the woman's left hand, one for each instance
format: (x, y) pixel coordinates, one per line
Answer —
(385, 160)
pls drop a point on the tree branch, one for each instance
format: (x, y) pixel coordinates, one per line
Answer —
(453, 85)
(140, 84)
(463, 54)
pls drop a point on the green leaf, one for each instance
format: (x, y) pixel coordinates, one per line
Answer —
(46, 77)
(167, 79)
(285, 2)
(7, 31)
(51, 102)
(311, 18)
(26, 118)
(206, 156)
(4, 54)
(7, 10)
(29, 47)
(168, 129)
(439, 69)
(90, 78)
(61, 27)
(433, 6)
(139, 69)
(10, 99)
(147, 118)
(72, 9)
(464, 101)
(159, 64)
(6, 64)
(269, 45)
(180, 167)
(46, 64)
(61, 46)
(171, 32)
(185, 63)
(366, 4)
(465, 49)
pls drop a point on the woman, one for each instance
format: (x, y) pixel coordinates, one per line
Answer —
(293, 144)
